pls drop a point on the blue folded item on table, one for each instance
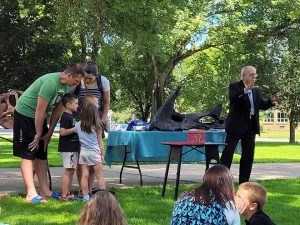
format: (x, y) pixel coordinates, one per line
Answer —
(134, 123)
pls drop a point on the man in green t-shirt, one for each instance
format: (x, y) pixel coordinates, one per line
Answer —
(40, 101)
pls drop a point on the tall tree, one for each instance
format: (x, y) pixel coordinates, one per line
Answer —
(29, 43)
(287, 82)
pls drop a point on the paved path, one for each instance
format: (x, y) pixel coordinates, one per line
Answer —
(11, 179)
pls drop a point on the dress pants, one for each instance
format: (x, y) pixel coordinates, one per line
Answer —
(247, 144)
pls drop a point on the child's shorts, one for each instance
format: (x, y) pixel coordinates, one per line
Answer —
(70, 159)
(90, 158)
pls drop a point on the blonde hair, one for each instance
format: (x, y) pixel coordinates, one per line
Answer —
(256, 193)
(102, 209)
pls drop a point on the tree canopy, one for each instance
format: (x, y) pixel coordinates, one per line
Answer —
(146, 48)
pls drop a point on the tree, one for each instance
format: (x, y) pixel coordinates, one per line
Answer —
(288, 79)
(29, 43)
(257, 41)
(130, 76)
(138, 44)
(198, 26)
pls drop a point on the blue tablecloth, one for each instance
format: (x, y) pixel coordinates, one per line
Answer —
(146, 145)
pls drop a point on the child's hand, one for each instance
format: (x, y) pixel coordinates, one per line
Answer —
(240, 205)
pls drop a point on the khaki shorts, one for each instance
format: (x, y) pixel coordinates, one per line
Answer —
(70, 159)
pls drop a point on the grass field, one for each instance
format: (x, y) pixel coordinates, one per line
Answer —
(265, 152)
(278, 134)
(145, 206)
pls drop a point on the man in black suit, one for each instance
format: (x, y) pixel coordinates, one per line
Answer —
(243, 120)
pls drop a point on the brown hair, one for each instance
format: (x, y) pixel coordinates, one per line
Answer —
(91, 67)
(89, 118)
(217, 181)
(256, 193)
(75, 69)
(102, 209)
(88, 97)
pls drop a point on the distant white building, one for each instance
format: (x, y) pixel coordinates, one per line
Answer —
(275, 120)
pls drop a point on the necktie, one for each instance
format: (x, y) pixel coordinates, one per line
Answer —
(252, 111)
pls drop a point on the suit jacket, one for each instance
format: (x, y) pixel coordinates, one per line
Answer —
(240, 107)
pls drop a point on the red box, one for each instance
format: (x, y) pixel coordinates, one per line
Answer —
(196, 136)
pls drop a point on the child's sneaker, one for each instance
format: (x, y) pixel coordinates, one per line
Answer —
(64, 198)
(73, 197)
(69, 197)
(86, 198)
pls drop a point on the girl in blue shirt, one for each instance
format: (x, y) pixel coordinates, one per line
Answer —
(91, 147)
(210, 204)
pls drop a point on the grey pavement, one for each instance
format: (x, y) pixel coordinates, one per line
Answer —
(11, 179)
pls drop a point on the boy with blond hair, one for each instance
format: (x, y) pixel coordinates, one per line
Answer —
(250, 199)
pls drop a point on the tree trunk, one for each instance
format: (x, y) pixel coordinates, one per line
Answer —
(292, 131)
(157, 93)
(156, 98)
(162, 75)
(83, 47)
(95, 48)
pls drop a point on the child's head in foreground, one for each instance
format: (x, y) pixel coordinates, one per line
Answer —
(102, 209)
(70, 102)
(89, 98)
(253, 195)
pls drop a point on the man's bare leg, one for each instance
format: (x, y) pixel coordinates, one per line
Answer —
(27, 173)
(41, 171)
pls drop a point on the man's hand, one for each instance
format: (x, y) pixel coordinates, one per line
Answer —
(250, 85)
(274, 98)
(35, 143)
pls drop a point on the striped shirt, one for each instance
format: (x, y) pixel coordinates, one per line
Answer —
(93, 90)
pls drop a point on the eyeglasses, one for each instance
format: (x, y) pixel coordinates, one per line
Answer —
(253, 75)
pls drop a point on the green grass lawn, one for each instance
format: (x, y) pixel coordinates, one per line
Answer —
(145, 206)
(278, 134)
(274, 152)
(265, 152)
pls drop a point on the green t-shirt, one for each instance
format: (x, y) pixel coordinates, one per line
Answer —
(47, 87)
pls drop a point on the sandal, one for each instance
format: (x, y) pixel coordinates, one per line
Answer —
(55, 195)
(36, 199)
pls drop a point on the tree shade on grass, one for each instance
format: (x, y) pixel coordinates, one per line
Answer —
(144, 206)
